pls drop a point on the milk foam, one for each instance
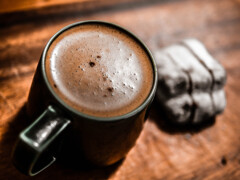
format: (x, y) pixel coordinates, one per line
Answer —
(99, 70)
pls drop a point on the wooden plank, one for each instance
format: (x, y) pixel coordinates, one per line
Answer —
(26, 5)
(23, 12)
(26, 37)
(8, 6)
(161, 152)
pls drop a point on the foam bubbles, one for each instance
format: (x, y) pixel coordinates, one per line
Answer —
(100, 70)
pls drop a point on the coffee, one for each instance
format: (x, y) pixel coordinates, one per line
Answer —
(99, 70)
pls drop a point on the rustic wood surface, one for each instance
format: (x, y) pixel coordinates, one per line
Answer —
(161, 152)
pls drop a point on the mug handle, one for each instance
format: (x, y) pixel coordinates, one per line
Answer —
(34, 150)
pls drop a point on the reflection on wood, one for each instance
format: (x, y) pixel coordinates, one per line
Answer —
(8, 6)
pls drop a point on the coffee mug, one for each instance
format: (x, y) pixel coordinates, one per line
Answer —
(93, 86)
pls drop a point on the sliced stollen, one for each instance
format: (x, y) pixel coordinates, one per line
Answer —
(219, 100)
(191, 82)
(200, 78)
(203, 107)
(173, 87)
(217, 72)
(212, 65)
(178, 109)
(172, 81)
(201, 81)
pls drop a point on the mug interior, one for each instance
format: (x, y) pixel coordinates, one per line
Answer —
(145, 103)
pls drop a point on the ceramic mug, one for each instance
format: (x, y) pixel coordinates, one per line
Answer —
(100, 140)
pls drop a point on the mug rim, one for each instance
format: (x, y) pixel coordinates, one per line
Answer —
(87, 116)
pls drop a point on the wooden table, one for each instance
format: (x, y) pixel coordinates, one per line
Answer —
(161, 152)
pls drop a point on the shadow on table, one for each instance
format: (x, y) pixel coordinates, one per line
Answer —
(157, 115)
(62, 169)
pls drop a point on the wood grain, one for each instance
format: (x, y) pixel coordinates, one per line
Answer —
(8, 6)
(161, 152)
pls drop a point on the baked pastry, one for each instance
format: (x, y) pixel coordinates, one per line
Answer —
(190, 82)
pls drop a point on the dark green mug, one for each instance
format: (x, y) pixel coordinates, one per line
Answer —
(100, 140)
